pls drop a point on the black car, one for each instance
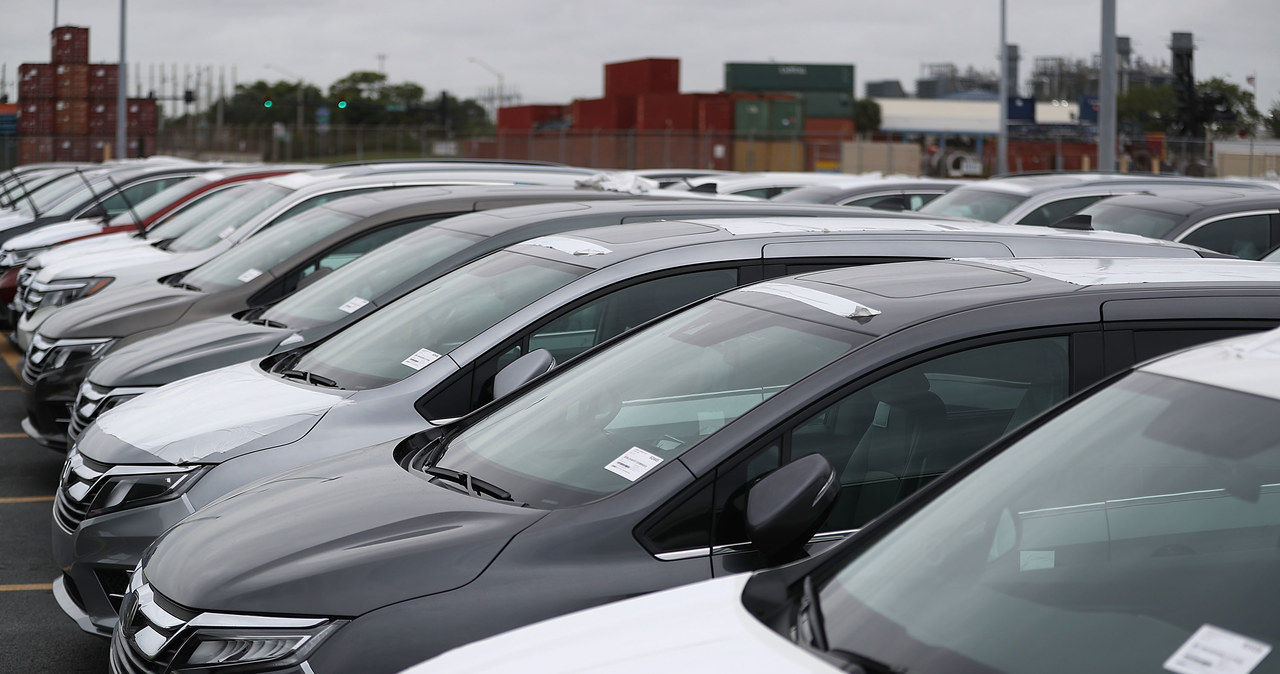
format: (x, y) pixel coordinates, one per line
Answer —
(1240, 222)
(630, 470)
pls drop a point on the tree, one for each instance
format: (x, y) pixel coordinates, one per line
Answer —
(1151, 108)
(1226, 109)
(866, 115)
(1272, 120)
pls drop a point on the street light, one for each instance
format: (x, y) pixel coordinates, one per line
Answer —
(498, 102)
(298, 77)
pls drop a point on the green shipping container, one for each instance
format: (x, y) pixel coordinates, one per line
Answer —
(786, 118)
(827, 104)
(751, 118)
(788, 77)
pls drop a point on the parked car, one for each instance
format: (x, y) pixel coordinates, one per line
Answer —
(332, 303)
(889, 194)
(271, 201)
(1129, 529)
(635, 469)
(1044, 199)
(18, 183)
(765, 184)
(435, 354)
(1239, 222)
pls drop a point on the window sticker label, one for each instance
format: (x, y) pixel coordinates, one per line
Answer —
(353, 304)
(249, 275)
(420, 359)
(1035, 560)
(1213, 650)
(633, 464)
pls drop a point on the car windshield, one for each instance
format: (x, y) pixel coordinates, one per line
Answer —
(1099, 542)
(1130, 220)
(260, 254)
(419, 328)
(976, 203)
(339, 295)
(157, 202)
(14, 191)
(642, 402)
(56, 192)
(194, 212)
(85, 193)
(249, 202)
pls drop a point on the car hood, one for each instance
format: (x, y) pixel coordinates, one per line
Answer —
(208, 418)
(186, 350)
(699, 627)
(52, 234)
(120, 310)
(345, 536)
(73, 249)
(13, 219)
(124, 259)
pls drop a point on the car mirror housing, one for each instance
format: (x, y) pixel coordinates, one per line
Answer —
(521, 371)
(786, 507)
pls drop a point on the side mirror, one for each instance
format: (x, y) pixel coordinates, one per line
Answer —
(1078, 221)
(521, 371)
(786, 507)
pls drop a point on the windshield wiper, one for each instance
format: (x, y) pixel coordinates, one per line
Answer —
(473, 484)
(310, 378)
(267, 322)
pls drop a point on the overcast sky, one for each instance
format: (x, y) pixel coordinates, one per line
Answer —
(552, 51)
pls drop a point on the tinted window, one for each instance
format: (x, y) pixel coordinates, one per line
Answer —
(262, 253)
(979, 204)
(134, 195)
(212, 224)
(1057, 210)
(1247, 237)
(1130, 220)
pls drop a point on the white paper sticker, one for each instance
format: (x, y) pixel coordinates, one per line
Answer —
(420, 359)
(1213, 650)
(1035, 560)
(353, 304)
(226, 232)
(249, 275)
(633, 464)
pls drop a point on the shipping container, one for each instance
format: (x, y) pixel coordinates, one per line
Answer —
(104, 80)
(660, 112)
(788, 77)
(35, 149)
(786, 119)
(71, 80)
(826, 104)
(71, 148)
(524, 118)
(102, 117)
(71, 117)
(70, 44)
(604, 114)
(35, 118)
(715, 113)
(751, 118)
(142, 116)
(819, 127)
(645, 76)
(103, 148)
(35, 81)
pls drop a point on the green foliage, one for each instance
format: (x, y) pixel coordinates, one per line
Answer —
(1227, 109)
(1151, 108)
(1272, 120)
(866, 115)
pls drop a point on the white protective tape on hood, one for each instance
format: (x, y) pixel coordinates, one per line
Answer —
(832, 304)
(213, 412)
(614, 181)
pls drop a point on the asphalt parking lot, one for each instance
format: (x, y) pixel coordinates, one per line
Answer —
(34, 634)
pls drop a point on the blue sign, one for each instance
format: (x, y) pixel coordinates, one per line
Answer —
(1021, 109)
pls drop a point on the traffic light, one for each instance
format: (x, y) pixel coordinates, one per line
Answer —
(342, 105)
(266, 102)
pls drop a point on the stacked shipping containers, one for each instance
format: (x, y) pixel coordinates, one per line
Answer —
(68, 108)
(790, 116)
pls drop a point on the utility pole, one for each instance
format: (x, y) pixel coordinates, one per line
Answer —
(1107, 90)
(122, 109)
(1002, 142)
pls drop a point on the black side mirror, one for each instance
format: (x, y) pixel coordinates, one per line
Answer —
(521, 371)
(1078, 221)
(786, 507)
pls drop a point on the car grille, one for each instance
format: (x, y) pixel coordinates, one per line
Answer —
(81, 481)
(25, 278)
(89, 395)
(149, 633)
(36, 360)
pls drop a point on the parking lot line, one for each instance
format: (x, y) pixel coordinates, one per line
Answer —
(11, 436)
(26, 588)
(26, 499)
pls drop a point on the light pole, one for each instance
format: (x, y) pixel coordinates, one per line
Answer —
(498, 99)
(122, 109)
(1002, 140)
(301, 99)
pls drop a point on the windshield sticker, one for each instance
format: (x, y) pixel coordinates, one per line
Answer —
(1213, 650)
(633, 464)
(420, 359)
(249, 275)
(817, 299)
(353, 304)
(570, 245)
(1035, 560)
(226, 232)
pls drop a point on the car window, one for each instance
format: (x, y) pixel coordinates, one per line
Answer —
(877, 201)
(976, 203)
(261, 254)
(1247, 236)
(1130, 220)
(1057, 210)
(353, 249)
(131, 196)
(319, 200)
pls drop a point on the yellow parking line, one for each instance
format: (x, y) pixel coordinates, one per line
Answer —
(26, 588)
(26, 499)
(10, 388)
(9, 436)
(10, 356)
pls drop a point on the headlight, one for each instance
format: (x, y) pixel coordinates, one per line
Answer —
(125, 487)
(15, 258)
(62, 291)
(52, 355)
(93, 400)
(240, 646)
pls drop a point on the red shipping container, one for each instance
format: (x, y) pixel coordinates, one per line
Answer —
(35, 149)
(102, 117)
(657, 112)
(605, 114)
(829, 127)
(103, 148)
(71, 149)
(645, 76)
(70, 44)
(35, 118)
(71, 80)
(104, 80)
(527, 117)
(142, 116)
(71, 117)
(35, 80)
(715, 113)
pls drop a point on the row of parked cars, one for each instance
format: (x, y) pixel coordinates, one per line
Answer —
(351, 418)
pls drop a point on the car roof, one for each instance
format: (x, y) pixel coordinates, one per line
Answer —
(1183, 201)
(842, 190)
(1247, 364)
(1048, 182)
